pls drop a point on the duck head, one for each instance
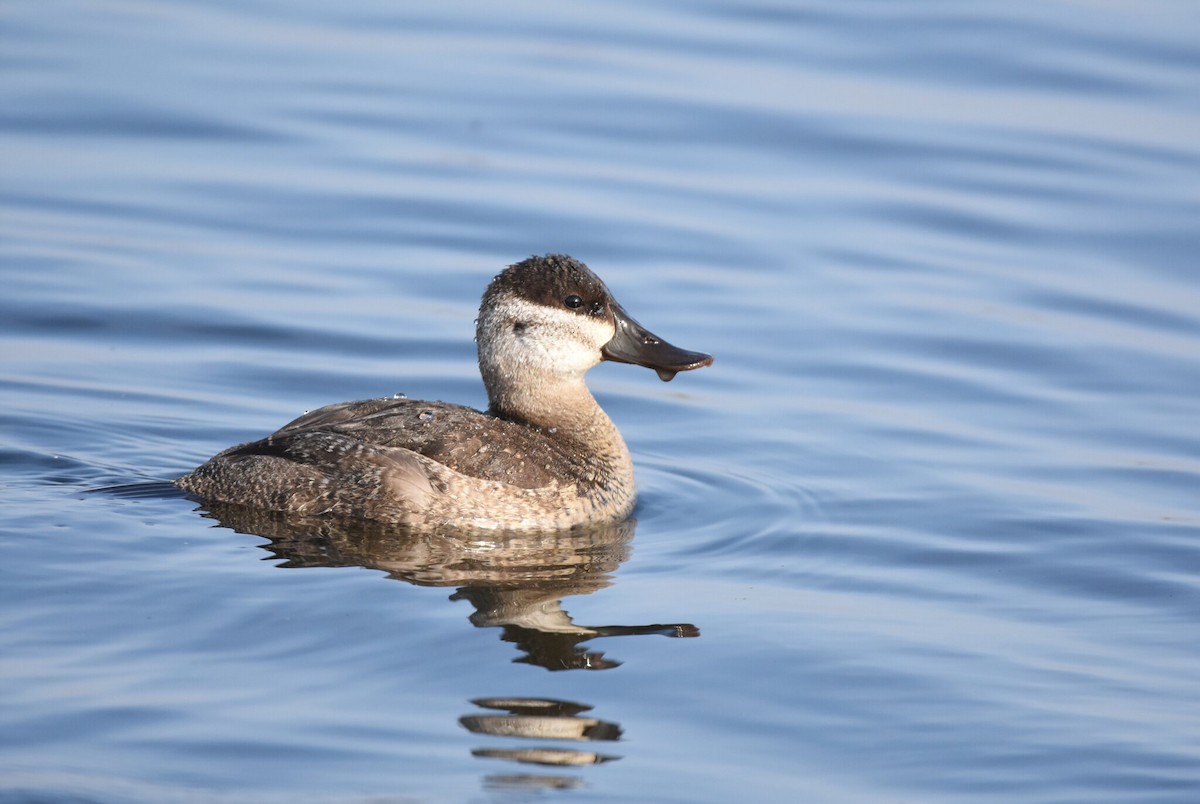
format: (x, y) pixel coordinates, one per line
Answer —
(550, 316)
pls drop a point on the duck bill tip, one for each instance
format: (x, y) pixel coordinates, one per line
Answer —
(633, 343)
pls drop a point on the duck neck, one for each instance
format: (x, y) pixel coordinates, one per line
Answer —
(563, 408)
(562, 404)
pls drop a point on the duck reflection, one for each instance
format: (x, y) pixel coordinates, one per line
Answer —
(516, 582)
(542, 719)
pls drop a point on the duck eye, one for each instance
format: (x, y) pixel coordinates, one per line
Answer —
(573, 301)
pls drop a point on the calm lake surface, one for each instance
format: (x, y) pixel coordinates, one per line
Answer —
(928, 529)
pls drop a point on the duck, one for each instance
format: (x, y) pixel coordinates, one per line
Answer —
(543, 456)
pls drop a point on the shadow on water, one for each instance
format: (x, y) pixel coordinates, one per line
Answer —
(516, 582)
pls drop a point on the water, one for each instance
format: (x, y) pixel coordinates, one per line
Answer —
(927, 530)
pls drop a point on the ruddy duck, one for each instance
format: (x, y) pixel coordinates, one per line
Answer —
(543, 456)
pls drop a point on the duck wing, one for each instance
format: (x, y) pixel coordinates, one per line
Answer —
(466, 440)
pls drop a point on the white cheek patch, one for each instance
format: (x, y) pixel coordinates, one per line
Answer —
(556, 340)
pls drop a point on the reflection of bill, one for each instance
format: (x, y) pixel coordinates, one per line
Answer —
(533, 619)
(516, 582)
(543, 719)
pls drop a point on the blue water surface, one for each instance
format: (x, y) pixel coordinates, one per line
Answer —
(927, 530)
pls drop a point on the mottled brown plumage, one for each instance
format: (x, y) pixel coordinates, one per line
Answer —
(543, 456)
